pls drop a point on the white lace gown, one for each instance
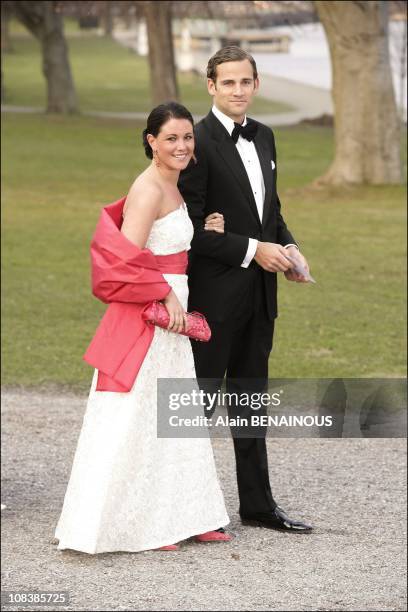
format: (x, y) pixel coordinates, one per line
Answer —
(128, 489)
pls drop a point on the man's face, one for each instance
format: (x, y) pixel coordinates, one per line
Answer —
(234, 88)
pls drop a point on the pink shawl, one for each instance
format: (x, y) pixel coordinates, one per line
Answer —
(127, 278)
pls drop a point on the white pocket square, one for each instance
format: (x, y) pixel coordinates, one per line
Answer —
(273, 164)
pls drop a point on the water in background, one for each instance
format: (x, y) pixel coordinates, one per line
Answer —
(309, 58)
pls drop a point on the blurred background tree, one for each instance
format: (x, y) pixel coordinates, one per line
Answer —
(44, 20)
(163, 79)
(367, 125)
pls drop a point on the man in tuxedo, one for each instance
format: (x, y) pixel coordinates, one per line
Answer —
(233, 275)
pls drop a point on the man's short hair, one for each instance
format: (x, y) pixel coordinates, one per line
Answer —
(231, 53)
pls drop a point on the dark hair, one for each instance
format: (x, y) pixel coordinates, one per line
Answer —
(159, 116)
(229, 54)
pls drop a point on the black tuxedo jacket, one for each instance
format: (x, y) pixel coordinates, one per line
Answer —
(219, 286)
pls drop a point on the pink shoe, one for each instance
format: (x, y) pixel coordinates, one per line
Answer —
(220, 535)
(169, 547)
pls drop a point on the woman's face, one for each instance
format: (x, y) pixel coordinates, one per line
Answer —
(174, 143)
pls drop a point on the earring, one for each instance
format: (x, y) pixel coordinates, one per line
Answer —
(193, 157)
(156, 158)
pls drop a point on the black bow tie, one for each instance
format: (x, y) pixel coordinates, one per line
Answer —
(248, 131)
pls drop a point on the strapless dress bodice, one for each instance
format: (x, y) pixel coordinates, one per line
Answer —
(172, 233)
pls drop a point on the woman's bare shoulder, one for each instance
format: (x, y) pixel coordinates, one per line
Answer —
(144, 194)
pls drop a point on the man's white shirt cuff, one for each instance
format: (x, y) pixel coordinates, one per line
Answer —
(250, 254)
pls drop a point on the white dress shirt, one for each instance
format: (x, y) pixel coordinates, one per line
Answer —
(249, 156)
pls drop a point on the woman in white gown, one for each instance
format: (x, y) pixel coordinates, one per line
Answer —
(130, 490)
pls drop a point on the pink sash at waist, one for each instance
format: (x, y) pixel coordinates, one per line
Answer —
(176, 263)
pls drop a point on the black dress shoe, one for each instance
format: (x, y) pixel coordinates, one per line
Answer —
(277, 519)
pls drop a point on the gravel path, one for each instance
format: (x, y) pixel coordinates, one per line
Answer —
(352, 490)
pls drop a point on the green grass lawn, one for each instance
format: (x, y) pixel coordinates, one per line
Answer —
(57, 173)
(107, 76)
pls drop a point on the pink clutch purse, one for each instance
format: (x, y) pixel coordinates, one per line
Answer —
(197, 326)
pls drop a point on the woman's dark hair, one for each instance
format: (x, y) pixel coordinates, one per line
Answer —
(159, 116)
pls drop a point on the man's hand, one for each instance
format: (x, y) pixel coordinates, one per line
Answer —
(271, 257)
(214, 223)
(291, 275)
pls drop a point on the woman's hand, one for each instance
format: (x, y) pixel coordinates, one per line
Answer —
(214, 223)
(178, 320)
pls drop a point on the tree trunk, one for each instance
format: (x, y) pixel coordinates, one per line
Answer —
(367, 127)
(6, 46)
(403, 72)
(44, 21)
(161, 52)
(108, 18)
(2, 88)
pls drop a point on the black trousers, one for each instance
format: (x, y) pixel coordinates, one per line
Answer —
(239, 349)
